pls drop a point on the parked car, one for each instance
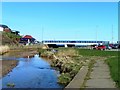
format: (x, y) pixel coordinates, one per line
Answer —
(114, 46)
(108, 47)
(101, 47)
(93, 46)
(119, 46)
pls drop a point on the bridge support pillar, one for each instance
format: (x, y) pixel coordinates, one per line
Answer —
(66, 45)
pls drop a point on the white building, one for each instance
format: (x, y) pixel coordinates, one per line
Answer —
(1, 28)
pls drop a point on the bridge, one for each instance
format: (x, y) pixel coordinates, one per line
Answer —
(71, 43)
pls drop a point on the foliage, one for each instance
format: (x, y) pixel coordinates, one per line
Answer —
(10, 35)
(9, 38)
(11, 85)
(64, 78)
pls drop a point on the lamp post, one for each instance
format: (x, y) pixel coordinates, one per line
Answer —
(96, 33)
(42, 33)
(112, 34)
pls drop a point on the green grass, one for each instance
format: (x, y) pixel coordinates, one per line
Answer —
(87, 52)
(9, 38)
(10, 35)
(10, 85)
(114, 65)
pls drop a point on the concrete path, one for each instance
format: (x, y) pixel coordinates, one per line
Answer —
(100, 76)
(78, 79)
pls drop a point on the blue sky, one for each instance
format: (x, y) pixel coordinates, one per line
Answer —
(63, 21)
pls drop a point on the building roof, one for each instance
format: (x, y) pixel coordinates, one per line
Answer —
(4, 26)
(28, 36)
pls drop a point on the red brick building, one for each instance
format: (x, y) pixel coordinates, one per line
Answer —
(7, 30)
(27, 39)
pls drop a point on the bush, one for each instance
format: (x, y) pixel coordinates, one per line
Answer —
(64, 78)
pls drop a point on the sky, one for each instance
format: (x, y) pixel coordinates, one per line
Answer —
(60, 0)
(63, 20)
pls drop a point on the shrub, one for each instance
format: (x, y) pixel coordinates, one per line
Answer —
(64, 78)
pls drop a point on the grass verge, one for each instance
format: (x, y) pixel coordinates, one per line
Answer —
(114, 69)
(87, 52)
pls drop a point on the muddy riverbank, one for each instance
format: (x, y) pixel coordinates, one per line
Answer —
(9, 61)
(21, 53)
(7, 66)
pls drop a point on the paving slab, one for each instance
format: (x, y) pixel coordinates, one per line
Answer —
(100, 76)
(100, 83)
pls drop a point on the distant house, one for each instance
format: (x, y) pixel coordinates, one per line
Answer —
(5, 28)
(27, 39)
(15, 32)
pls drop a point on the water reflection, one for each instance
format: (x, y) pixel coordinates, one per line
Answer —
(32, 73)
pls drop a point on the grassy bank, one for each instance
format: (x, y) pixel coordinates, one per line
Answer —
(114, 69)
(9, 38)
(112, 61)
(69, 61)
(66, 61)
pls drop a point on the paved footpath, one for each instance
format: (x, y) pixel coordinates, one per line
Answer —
(100, 76)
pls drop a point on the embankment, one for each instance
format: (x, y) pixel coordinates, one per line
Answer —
(4, 49)
(6, 66)
(67, 61)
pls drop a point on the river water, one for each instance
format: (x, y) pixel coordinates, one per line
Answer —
(32, 72)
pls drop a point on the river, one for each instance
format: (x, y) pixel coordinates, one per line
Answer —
(32, 72)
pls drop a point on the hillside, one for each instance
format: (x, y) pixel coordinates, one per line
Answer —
(9, 38)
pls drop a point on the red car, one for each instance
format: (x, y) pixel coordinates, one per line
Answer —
(101, 47)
